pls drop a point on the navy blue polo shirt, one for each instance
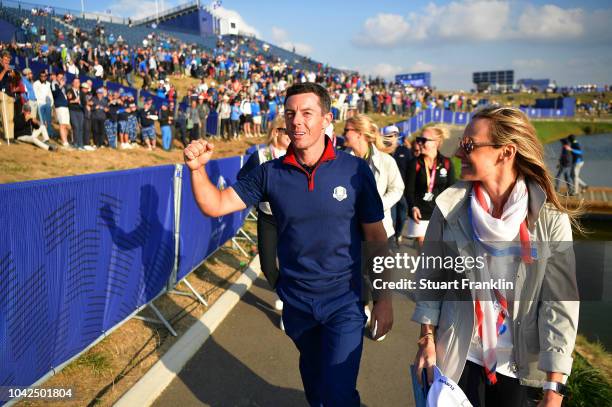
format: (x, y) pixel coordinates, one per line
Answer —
(319, 217)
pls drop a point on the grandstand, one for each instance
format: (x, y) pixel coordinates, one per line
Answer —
(189, 23)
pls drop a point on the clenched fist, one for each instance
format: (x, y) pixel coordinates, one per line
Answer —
(197, 154)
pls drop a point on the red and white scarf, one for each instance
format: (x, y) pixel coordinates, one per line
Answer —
(491, 311)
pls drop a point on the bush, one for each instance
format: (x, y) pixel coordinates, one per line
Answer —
(587, 386)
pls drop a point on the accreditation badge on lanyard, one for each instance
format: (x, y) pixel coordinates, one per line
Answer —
(431, 180)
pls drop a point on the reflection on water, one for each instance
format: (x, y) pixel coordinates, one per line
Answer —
(592, 313)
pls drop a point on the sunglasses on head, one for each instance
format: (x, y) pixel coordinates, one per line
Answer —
(423, 140)
(468, 145)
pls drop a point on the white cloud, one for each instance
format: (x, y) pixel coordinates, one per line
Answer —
(480, 20)
(280, 37)
(383, 30)
(550, 22)
(243, 26)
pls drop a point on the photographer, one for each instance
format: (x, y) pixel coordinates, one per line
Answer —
(29, 130)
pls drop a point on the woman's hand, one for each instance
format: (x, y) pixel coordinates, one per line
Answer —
(416, 214)
(425, 358)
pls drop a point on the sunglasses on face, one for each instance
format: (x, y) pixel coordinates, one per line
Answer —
(423, 140)
(281, 130)
(468, 145)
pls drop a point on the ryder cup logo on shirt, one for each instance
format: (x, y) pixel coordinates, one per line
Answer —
(443, 172)
(340, 193)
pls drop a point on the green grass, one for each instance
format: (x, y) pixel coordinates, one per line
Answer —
(587, 386)
(97, 362)
(554, 130)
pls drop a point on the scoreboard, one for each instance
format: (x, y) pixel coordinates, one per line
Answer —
(418, 80)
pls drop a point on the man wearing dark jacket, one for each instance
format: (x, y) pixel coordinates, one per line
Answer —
(29, 130)
(58, 89)
(76, 103)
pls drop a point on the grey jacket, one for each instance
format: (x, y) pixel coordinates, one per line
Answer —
(544, 328)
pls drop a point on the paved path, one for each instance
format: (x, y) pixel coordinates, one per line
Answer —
(248, 361)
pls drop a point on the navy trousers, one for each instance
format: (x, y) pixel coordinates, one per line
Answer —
(329, 336)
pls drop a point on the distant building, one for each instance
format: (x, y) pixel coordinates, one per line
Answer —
(493, 80)
(539, 85)
(417, 80)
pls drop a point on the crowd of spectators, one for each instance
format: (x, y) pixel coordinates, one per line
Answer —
(243, 82)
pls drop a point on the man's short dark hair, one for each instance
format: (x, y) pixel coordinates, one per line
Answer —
(310, 87)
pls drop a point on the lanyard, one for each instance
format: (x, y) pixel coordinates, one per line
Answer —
(431, 179)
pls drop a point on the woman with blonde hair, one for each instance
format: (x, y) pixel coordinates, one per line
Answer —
(428, 175)
(501, 343)
(363, 139)
(277, 142)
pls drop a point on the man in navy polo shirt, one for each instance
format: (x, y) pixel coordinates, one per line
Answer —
(325, 203)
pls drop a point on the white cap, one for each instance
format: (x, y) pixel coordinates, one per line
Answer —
(445, 392)
(387, 131)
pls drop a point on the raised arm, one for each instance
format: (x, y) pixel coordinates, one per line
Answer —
(209, 198)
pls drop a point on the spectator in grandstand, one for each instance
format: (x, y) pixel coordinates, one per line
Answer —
(98, 117)
(577, 163)
(165, 123)
(428, 176)
(203, 111)
(44, 99)
(30, 130)
(246, 116)
(235, 118)
(132, 123)
(321, 314)
(30, 95)
(564, 168)
(193, 120)
(110, 124)
(364, 140)
(402, 156)
(60, 100)
(147, 119)
(506, 195)
(225, 111)
(87, 111)
(122, 121)
(76, 103)
(180, 127)
(7, 95)
(277, 143)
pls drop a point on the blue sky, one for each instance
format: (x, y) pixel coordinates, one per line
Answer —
(568, 41)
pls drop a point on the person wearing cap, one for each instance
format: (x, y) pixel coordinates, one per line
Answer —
(165, 122)
(402, 156)
(30, 95)
(44, 98)
(132, 122)
(98, 117)
(29, 130)
(225, 110)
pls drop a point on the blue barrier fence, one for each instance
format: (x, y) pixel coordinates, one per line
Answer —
(80, 255)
